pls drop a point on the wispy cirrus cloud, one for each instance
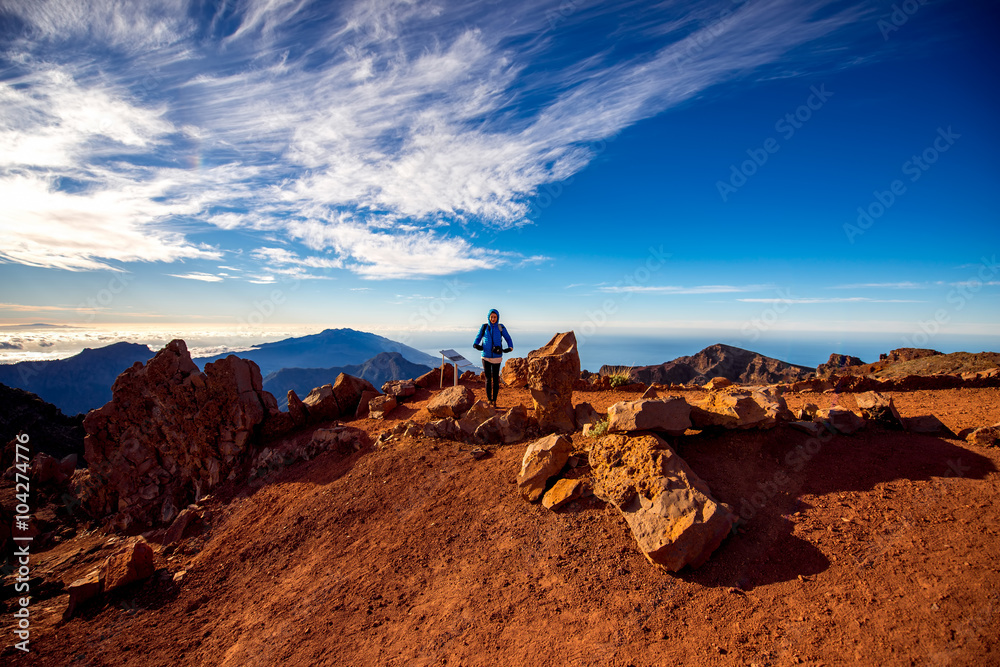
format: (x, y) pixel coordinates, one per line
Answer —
(202, 277)
(679, 289)
(898, 285)
(374, 135)
(828, 300)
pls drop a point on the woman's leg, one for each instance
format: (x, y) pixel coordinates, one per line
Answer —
(496, 382)
(488, 372)
(492, 380)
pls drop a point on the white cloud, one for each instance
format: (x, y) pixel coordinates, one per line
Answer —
(203, 277)
(899, 285)
(380, 134)
(823, 300)
(42, 226)
(677, 289)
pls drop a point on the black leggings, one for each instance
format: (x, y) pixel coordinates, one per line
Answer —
(492, 380)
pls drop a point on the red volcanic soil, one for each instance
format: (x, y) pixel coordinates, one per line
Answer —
(878, 548)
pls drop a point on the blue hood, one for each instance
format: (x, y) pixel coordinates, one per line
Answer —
(493, 310)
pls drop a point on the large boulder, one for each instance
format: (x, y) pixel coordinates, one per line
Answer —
(321, 404)
(671, 415)
(552, 371)
(542, 459)
(170, 434)
(670, 510)
(451, 402)
(349, 390)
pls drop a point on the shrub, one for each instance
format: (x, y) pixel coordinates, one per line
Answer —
(619, 376)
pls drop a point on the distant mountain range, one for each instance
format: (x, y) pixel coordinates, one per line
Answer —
(378, 370)
(79, 383)
(327, 349)
(733, 363)
(83, 382)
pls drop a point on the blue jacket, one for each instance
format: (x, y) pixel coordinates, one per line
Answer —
(493, 334)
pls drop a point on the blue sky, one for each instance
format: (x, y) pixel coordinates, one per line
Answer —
(733, 169)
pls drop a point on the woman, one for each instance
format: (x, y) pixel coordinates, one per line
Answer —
(490, 342)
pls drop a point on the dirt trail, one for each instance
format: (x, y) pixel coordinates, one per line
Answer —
(876, 548)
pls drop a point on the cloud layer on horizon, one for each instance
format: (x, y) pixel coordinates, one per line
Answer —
(382, 140)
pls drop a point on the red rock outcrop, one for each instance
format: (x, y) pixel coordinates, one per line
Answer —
(836, 363)
(169, 434)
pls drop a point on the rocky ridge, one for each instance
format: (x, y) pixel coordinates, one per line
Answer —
(733, 363)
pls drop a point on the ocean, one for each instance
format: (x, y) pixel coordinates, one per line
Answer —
(806, 349)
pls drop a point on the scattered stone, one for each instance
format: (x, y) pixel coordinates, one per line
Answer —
(552, 371)
(987, 436)
(380, 406)
(671, 415)
(669, 509)
(879, 408)
(840, 420)
(445, 429)
(479, 453)
(399, 388)
(542, 459)
(563, 492)
(451, 402)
